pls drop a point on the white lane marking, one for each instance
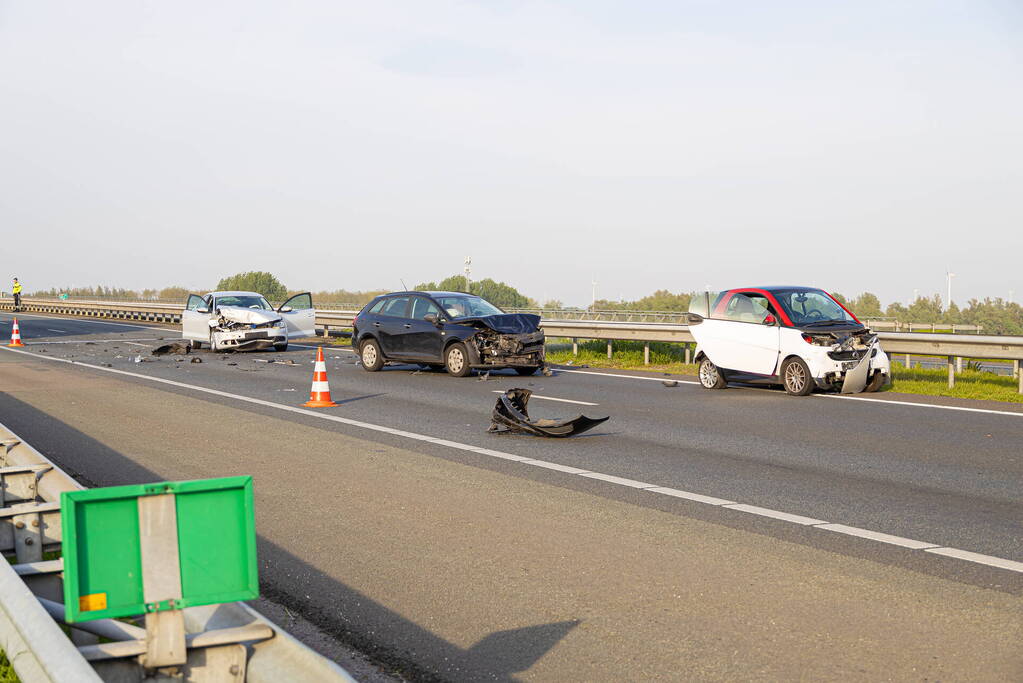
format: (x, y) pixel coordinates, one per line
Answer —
(877, 536)
(551, 398)
(774, 514)
(50, 329)
(137, 344)
(611, 374)
(850, 398)
(699, 498)
(621, 481)
(84, 320)
(750, 509)
(922, 405)
(90, 341)
(978, 558)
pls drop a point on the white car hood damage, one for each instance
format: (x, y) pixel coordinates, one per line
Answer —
(245, 316)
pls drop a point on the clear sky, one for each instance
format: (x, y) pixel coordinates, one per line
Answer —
(855, 146)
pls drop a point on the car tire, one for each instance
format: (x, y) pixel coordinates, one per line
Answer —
(280, 348)
(876, 383)
(371, 356)
(525, 372)
(710, 376)
(196, 345)
(456, 360)
(796, 378)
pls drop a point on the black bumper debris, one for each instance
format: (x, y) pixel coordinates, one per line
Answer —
(511, 416)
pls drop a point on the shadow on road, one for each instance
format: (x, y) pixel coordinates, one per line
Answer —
(396, 643)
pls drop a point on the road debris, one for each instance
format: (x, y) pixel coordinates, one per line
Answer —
(547, 372)
(484, 377)
(669, 382)
(179, 347)
(196, 359)
(511, 416)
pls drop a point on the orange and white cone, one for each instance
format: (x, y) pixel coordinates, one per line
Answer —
(16, 335)
(319, 395)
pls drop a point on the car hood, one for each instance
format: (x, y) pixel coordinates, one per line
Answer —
(837, 328)
(248, 316)
(506, 323)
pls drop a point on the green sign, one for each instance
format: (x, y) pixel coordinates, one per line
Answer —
(117, 547)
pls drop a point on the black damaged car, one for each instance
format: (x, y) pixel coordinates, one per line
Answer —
(459, 332)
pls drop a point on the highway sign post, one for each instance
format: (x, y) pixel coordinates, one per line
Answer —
(155, 549)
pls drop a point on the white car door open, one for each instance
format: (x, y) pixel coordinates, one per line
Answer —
(736, 337)
(195, 319)
(299, 315)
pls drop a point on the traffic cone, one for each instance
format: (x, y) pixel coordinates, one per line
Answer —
(16, 335)
(319, 395)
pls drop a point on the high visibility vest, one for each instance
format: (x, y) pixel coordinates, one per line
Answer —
(17, 288)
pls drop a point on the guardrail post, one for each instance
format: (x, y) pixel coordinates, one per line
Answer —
(1020, 375)
(687, 353)
(959, 363)
(1015, 370)
(575, 346)
(609, 349)
(951, 372)
(646, 353)
(909, 362)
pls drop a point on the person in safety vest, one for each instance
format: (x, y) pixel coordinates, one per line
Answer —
(17, 294)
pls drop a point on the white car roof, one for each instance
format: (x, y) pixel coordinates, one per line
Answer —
(234, 294)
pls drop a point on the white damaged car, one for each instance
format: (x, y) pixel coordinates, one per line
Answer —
(799, 337)
(240, 321)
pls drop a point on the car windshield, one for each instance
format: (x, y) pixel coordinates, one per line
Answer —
(244, 301)
(809, 307)
(467, 306)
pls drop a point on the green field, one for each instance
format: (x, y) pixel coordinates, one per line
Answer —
(7, 674)
(666, 357)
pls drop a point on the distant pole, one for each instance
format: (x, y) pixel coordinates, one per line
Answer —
(468, 273)
(593, 304)
(948, 277)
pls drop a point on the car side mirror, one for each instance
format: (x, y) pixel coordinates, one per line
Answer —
(202, 310)
(694, 318)
(286, 309)
(432, 318)
(769, 319)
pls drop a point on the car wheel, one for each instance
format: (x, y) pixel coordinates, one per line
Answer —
(281, 347)
(795, 375)
(710, 377)
(876, 382)
(525, 372)
(196, 345)
(372, 359)
(456, 360)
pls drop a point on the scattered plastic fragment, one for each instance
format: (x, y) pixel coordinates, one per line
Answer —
(178, 347)
(484, 377)
(196, 359)
(669, 383)
(511, 416)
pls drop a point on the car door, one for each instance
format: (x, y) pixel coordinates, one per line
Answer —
(739, 334)
(390, 326)
(423, 339)
(195, 319)
(299, 315)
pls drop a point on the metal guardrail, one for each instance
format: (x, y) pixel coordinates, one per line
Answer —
(954, 347)
(232, 642)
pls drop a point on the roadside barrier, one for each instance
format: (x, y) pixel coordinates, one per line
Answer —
(15, 335)
(226, 642)
(319, 394)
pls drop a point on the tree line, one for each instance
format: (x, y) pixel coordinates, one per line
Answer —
(996, 316)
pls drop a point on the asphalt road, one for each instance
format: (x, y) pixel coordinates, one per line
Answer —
(420, 538)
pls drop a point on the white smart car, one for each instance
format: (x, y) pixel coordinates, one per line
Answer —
(799, 337)
(240, 321)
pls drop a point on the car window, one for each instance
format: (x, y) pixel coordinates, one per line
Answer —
(244, 301)
(422, 307)
(194, 302)
(742, 308)
(810, 306)
(395, 307)
(300, 302)
(467, 306)
(377, 306)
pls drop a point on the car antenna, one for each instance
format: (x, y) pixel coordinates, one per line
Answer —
(403, 285)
